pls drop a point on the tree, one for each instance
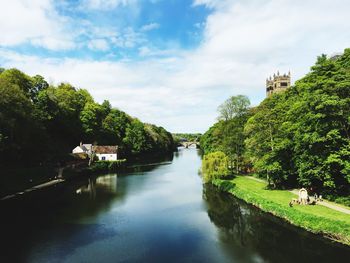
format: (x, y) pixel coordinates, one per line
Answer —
(136, 137)
(43, 123)
(321, 122)
(235, 106)
(234, 113)
(20, 132)
(300, 137)
(17, 77)
(268, 145)
(39, 84)
(114, 126)
(215, 166)
(91, 120)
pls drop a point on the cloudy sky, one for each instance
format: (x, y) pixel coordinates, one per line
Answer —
(170, 62)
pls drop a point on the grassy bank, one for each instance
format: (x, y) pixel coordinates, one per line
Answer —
(315, 218)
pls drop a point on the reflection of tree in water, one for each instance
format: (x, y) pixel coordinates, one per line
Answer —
(106, 184)
(66, 211)
(181, 150)
(224, 213)
(97, 194)
(177, 154)
(244, 229)
(155, 158)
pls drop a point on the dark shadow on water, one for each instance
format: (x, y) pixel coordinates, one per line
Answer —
(34, 218)
(125, 215)
(244, 227)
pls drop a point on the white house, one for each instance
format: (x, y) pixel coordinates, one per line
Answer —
(83, 148)
(106, 153)
(103, 153)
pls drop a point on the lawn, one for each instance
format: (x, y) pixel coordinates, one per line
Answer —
(315, 218)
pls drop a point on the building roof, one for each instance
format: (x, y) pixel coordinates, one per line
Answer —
(106, 149)
(83, 148)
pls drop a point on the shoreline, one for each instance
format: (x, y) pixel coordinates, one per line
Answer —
(300, 216)
(72, 173)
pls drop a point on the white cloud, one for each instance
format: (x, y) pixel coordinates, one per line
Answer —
(145, 51)
(244, 42)
(212, 3)
(140, 88)
(98, 44)
(128, 38)
(105, 4)
(150, 27)
(34, 21)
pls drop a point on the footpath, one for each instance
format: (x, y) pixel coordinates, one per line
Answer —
(325, 203)
(34, 188)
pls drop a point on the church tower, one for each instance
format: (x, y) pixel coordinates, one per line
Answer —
(277, 83)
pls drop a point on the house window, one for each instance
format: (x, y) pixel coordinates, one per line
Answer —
(103, 158)
(284, 84)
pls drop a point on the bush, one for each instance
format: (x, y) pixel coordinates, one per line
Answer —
(101, 166)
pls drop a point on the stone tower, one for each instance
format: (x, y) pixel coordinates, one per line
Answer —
(277, 83)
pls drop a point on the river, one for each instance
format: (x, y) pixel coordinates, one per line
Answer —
(153, 213)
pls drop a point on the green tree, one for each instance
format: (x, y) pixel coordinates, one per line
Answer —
(215, 166)
(19, 131)
(268, 144)
(23, 81)
(41, 123)
(235, 106)
(39, 84)
(114, 126)
(321, 121)
(234, 113)
(91, 120)
(135, 138)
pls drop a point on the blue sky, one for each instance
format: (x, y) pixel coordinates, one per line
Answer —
(170, 62)
(117, 30)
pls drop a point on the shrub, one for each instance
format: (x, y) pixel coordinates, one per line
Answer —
(107, 165)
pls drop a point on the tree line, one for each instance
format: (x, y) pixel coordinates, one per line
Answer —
(300, 137)
(42, 123)
(189, 137)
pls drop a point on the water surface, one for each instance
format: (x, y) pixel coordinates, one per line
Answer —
(153, 213)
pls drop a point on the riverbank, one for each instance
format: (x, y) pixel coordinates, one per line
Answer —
(318, 219)
(27, 180)
(18, 182)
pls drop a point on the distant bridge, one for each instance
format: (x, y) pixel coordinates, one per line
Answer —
(188, 144)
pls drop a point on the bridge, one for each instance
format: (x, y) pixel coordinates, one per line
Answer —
(187, 144)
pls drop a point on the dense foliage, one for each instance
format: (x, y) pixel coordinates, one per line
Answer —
(41, 122)
(300, 137)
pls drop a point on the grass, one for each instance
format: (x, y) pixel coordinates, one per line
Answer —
(315, 218)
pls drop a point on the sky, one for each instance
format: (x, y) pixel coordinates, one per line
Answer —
(170, 62)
